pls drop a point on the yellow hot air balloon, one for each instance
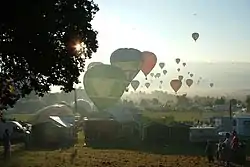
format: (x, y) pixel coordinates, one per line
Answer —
(176, 85)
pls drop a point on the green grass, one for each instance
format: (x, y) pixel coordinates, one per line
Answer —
(182, 115)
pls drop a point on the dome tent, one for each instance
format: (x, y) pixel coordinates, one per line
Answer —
(83, 105)
(43, 115)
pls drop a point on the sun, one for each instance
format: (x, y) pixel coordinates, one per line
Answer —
(78, 47)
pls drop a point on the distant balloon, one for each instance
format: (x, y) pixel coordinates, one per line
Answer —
(147, 84)
(191, 75)
(189, 82)
(188, 73)
(177, 60)
(161, 82)
(176, 85)
(92, 64)
(165, 72)
(149, 60)
(184, 64)
(195, 36)
(157, 75)
(180, 77)
(127, 59)
(104, 85)
(211, 84)
(152, 74)
(161, 65)
(178, 69)
(135, 84)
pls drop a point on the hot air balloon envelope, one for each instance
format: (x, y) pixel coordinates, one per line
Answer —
(195, 36)
(189, 82)
(129, 60)
(161, 65)
(176, 84)
(92, 64)
(104, 85)
(135, 84)
(149, 60)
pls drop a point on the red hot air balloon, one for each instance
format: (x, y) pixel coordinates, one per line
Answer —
(175, 84)
(149, 61)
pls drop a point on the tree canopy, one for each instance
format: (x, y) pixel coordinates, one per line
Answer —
(37, 45)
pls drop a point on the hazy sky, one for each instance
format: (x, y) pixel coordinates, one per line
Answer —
(165, 28)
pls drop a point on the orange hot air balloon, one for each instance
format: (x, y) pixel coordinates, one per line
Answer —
(175, 84)
(189, 82)
(149, 61)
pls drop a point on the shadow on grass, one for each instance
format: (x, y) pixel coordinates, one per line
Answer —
(168, 149)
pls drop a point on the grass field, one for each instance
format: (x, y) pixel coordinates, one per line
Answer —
(81, 156)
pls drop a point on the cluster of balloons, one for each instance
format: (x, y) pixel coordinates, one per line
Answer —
(105, 84)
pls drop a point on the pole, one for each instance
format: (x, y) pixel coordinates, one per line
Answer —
(230, 109)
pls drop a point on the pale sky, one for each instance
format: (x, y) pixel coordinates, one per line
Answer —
(165, 28)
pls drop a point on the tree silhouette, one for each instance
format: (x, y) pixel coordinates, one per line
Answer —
(37, 45)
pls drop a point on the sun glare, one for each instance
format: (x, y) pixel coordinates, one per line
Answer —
(78, 47)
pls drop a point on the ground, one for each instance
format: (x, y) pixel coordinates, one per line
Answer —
(81, 156)
(88, 157)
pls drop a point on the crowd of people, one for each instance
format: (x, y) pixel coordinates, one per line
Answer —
(229, 150)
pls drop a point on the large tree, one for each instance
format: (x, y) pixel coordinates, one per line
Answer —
(37, 45)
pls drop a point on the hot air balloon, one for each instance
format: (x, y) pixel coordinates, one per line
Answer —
(161, 65)
(165, 72)
(175, 84)
(178, 69)
(157, 75)
(211, 84)
(135, 84)
(92, 64)
(152, 74)
(189, 82)
(104, 85)
(127, 59)
(180, 77)
(184, 64)
(149, 60)
(191, 75)
(177, 60)
(147, 84)
(195, 36)
(188, 73)
(161, 82)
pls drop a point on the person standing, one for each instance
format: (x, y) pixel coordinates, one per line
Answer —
(210, 152)
(7, 144)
